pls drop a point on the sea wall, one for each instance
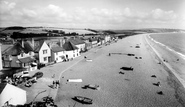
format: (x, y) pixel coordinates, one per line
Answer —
(173, 64)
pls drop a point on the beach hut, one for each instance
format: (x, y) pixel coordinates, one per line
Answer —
(10, 94)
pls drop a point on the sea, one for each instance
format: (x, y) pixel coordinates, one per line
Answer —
(174, 42)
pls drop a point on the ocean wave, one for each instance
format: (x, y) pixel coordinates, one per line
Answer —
(168, 48)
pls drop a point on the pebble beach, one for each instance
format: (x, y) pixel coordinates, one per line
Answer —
(131, 89)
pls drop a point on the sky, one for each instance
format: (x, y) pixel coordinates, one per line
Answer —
(94, 14)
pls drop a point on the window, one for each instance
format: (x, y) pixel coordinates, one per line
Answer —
(56, 53)
(56, 59)
(44, 51)
(29, 53)
(22, 54)
(45, 58)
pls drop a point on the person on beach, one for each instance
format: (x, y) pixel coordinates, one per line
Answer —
(54, 84)
(58, 83)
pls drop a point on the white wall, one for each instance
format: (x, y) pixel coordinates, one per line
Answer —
(12, 94)
(81, 47)
(58, 56)
(72, 54)
(41, 55)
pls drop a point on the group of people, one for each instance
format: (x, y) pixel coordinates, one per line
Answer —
(56, 84)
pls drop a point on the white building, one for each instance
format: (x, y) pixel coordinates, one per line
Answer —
(10, 94)
(43, 52)
(71, 50)
(57, 54)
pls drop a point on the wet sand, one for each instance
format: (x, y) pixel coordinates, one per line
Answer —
(133, 89)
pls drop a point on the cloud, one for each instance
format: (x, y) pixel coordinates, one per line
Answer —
(6, 7)
(159, 14)
(53, 15)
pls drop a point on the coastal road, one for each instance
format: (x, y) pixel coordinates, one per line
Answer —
(131, 89)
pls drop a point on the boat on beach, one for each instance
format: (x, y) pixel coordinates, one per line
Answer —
(92, 86)
(83, 100)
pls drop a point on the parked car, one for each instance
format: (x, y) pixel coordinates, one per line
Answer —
(38, 75)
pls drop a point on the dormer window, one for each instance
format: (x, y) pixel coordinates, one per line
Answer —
(29, 53)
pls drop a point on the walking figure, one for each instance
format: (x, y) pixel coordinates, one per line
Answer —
(54, 84)
(57, 84)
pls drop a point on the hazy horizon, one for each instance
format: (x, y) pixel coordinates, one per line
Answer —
(96, 14)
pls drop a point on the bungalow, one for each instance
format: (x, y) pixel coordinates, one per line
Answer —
(71, 51)
(42, 52)
(19, 56)
(11, 95)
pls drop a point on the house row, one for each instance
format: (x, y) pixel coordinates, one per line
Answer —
(28, 54)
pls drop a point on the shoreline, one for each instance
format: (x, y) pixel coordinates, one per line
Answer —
(174, 79)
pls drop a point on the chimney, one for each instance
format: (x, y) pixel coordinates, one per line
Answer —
(32, 42)
(22, 43)
(61, 42)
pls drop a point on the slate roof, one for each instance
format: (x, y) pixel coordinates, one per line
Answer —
(28, 47)
(69, 46)
(37, 47)
(17, 49)
(14, 50)
(26, 60)
(77, 41)
(2, 86)
(57, 49)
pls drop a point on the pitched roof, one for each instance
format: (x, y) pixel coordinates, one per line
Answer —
(57, 49)
(26, 60)
(2, 86)
(28, 47)
(69, 46)
(16, 49)
(76, 41)
(38, 46)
